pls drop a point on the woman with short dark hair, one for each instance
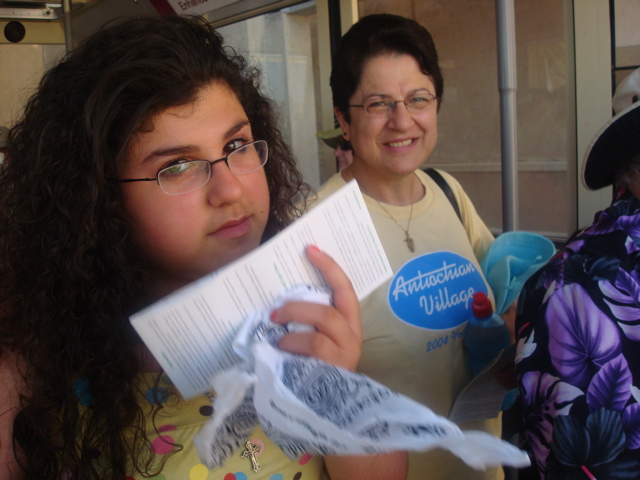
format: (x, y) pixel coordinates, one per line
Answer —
(387, 91)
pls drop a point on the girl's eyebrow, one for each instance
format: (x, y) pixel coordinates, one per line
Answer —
(186, 149)
(236, 128)
(166, 152)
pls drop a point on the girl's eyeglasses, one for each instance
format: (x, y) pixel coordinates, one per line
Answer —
(187, 176)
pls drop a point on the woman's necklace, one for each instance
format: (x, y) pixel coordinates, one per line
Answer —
(410, 243)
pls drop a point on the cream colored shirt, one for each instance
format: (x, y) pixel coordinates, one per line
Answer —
(413, 324)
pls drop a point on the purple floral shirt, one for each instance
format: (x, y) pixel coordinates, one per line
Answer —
(578, 329)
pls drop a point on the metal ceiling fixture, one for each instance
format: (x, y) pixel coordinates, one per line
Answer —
(32, 10)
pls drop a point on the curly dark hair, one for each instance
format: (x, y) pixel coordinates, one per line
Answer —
(373, 36)
(70, 274)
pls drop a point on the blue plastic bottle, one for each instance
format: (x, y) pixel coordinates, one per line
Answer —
(486, 335)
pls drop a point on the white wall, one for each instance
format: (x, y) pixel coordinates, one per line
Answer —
(17, 83)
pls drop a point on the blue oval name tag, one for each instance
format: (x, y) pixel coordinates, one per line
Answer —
(435, 290)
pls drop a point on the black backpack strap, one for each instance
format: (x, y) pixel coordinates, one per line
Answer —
(442, 183)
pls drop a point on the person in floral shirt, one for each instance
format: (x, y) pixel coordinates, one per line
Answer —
(578, 323)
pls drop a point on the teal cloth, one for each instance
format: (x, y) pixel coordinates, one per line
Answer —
(510, 260)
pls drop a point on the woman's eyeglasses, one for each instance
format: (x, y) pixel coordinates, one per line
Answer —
(380, 107)
(187, 176)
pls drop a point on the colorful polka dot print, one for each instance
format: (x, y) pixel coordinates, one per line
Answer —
(171, 433)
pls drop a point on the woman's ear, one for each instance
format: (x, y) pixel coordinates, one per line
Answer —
(344, 125)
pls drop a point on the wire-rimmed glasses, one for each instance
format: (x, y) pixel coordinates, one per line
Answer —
(187, 176)
(381, 107)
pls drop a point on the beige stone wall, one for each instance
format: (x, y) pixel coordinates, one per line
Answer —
(17, 83)
(22, 68)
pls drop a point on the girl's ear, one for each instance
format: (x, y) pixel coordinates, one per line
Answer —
(344, 126)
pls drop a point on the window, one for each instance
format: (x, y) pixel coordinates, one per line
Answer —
(284, 45)
(625, 38)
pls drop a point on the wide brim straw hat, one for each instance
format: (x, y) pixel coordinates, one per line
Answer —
(619, 139)
(330, 137)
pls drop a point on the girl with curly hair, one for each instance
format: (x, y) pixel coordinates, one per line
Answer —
(106, 205)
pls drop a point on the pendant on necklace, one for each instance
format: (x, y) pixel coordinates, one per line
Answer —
(251, 452)
(410, 243)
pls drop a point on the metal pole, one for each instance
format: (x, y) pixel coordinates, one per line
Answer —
(68, 34)
(505, 22)
(335, 29)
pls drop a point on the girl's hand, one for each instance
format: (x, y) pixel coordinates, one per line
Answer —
(338, 336)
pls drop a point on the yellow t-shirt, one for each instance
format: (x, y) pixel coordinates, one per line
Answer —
(179, 420)
(412, 330)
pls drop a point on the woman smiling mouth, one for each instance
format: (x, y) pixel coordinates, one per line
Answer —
(401, 143)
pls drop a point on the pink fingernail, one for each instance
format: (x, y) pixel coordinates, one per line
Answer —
(273, 314)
